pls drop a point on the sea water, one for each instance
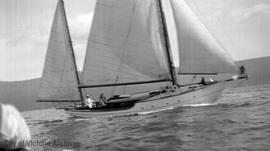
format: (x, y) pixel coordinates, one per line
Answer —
(239, 121)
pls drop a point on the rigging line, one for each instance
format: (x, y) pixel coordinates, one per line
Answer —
(65, 55)
(133, 14)
(160, 41)
(112, 66)
(197, 73)
(101, 57)
(97, 71)
(58, 101)
(137, 39)
(167, 45)
(126, 78)
(72, 51)
(134, 43)
(46, 57)
(117, 34)
(116, 80)
(124, 84)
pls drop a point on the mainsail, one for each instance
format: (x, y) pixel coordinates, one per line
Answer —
(60, 79)
(126, 44)
(130, 42)
(199, 52)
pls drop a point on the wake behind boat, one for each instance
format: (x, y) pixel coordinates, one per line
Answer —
(130, 57)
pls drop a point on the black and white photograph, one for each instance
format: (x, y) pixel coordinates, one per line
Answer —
(134, 75)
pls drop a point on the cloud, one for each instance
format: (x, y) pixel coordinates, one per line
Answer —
(25, 33)
(79, 27)
(239, 25)
(23, 50)
(20, 61)
(247, 13)
(3, 58)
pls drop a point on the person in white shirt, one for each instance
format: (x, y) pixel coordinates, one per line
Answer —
(89, 102)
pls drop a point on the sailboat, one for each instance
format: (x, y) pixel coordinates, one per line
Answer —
(130, 59)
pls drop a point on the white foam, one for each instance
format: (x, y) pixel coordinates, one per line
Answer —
(82, 119)
(198, 105)
(154, 111)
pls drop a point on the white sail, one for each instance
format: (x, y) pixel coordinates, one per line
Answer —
(59, 79)
(126, 43)
(199, 52)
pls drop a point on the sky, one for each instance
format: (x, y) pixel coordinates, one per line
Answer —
(241, 26)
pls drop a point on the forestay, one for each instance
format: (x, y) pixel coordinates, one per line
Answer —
(199, 51)
(59, 79)
(126, 44)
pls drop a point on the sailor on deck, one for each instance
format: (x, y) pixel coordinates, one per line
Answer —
(242, 70)
(203, 81)
(102, 99)
(89, 102)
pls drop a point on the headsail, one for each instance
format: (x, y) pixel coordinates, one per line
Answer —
(126, 44)
(199, 51)
(59, 80)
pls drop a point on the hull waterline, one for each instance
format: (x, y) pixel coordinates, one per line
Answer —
(197, 95)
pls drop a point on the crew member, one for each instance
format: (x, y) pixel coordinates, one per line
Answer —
(102, 99)
(89, 102)
(203, 81)
(242, 70)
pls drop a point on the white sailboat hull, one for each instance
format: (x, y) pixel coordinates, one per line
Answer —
(192, 96)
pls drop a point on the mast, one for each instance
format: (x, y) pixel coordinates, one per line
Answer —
(72, 52)
(167, 45)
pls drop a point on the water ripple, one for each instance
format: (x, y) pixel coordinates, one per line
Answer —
(239, 121)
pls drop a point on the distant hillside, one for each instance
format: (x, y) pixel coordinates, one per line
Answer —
(258, 69)
(24, 93)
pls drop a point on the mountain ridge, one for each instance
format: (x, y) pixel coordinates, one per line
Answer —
(23, 94)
